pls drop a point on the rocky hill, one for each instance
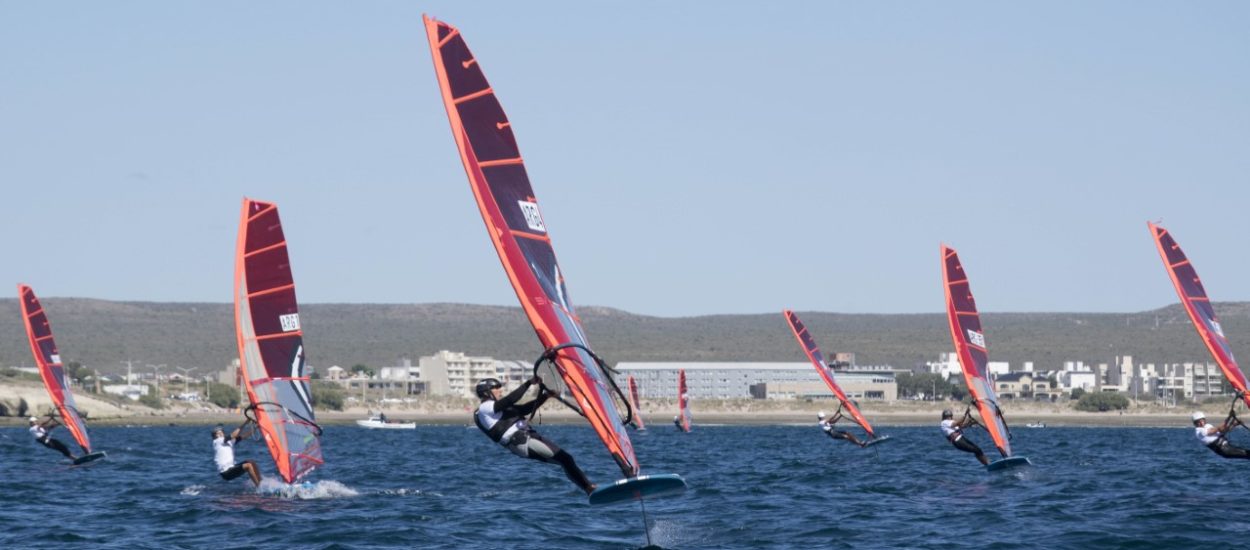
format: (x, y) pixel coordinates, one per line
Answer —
(102, 334)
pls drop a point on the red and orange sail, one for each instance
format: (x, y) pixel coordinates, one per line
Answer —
(683, 402)
(1198, 306)
(965, 325)
(636, 403)
(271, 342)
(501, 186)
(826, 372)
(43, 347)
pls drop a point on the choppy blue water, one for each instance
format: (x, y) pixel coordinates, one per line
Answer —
(751, 487)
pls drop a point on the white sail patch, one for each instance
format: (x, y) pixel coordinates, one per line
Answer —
(533, 218)
(1215, 325)
(55, 358)
(976, 338)
(290, 322)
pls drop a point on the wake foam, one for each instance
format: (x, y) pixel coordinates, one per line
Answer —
(191, 490)
(306, 490)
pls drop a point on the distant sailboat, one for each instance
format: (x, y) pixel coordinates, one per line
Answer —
(52, 372)
(271, 343)
(826, 373)
(969, 340)
(684, 418)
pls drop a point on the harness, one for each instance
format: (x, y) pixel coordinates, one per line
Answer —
(495, 433)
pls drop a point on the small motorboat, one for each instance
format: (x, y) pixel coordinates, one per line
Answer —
(383, 423)
(1035, 425)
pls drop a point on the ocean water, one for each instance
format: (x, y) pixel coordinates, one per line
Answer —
(751, 487)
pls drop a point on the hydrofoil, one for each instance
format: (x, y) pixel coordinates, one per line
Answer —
(876, 440)
(1008, 463)
(638, 488)
(89, 458)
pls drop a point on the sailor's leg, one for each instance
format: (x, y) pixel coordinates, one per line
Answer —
(252, 472)
(1228, 450)
(546, 451)
(58, 447)
(969, 447)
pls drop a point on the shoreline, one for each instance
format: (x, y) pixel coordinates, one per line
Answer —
(1052, 419)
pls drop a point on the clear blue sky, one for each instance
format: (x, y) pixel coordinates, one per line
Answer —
(691, 158)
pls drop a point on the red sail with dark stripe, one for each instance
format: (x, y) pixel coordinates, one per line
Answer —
(636, 403)
(683, 402)
(516, 227)
(271, 342)
(1198, 306)
(965, 325)
(43, 347)
(823, 369)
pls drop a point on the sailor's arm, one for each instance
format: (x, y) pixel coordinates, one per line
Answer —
(510, 400)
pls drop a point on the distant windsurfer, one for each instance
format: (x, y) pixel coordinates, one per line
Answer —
(677, 422)
(1216, 438)
(826, 424)
(954, 432)
(223, 448)
(40, 431)
(503, 421)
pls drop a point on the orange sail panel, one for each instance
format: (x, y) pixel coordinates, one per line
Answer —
(683, 402)
(636, 403)
(965, 324)
(271, 346)
(515, 223)
(1198, 306)
(43, 347)
(826, 372)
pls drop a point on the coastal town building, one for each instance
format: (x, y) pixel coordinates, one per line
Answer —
(742, 380)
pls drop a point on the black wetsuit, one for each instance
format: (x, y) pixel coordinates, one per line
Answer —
(525, 441)
(964, 444)
(49, 442)
(1227, 450)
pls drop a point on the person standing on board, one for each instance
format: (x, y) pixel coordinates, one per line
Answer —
(40, 433)
(954, 432)
(223, 449)
(503, 421)
(827, 426)
(1216, 438)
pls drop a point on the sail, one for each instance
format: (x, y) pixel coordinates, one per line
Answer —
(961, 312)
(497, 176)
(271, 347)
(1198, 306)
(55, 380)
(636, 403)
(683, 401)
(826, 372)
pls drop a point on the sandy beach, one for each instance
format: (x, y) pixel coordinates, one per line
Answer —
(445, 411)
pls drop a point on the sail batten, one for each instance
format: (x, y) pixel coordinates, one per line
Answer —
(270, 340)
(514, 221)
(970, 346)
(1197, 305)
(51, 370)
(824, 369)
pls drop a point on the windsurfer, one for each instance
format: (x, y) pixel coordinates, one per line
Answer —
(954, 432)
(1216, 438)
(223, 448)
(503, 420)
(40, 433)
(826, 424)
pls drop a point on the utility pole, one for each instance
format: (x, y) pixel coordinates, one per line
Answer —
(186, 372)
(130, 363)
(157, 369)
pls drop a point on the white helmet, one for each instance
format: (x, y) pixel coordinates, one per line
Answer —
(820, 414)
(1197, 416)
(33, 419)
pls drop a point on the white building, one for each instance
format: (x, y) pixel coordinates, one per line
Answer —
(129, 391)
(753, 379)
(998, 368)
(947, 365)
